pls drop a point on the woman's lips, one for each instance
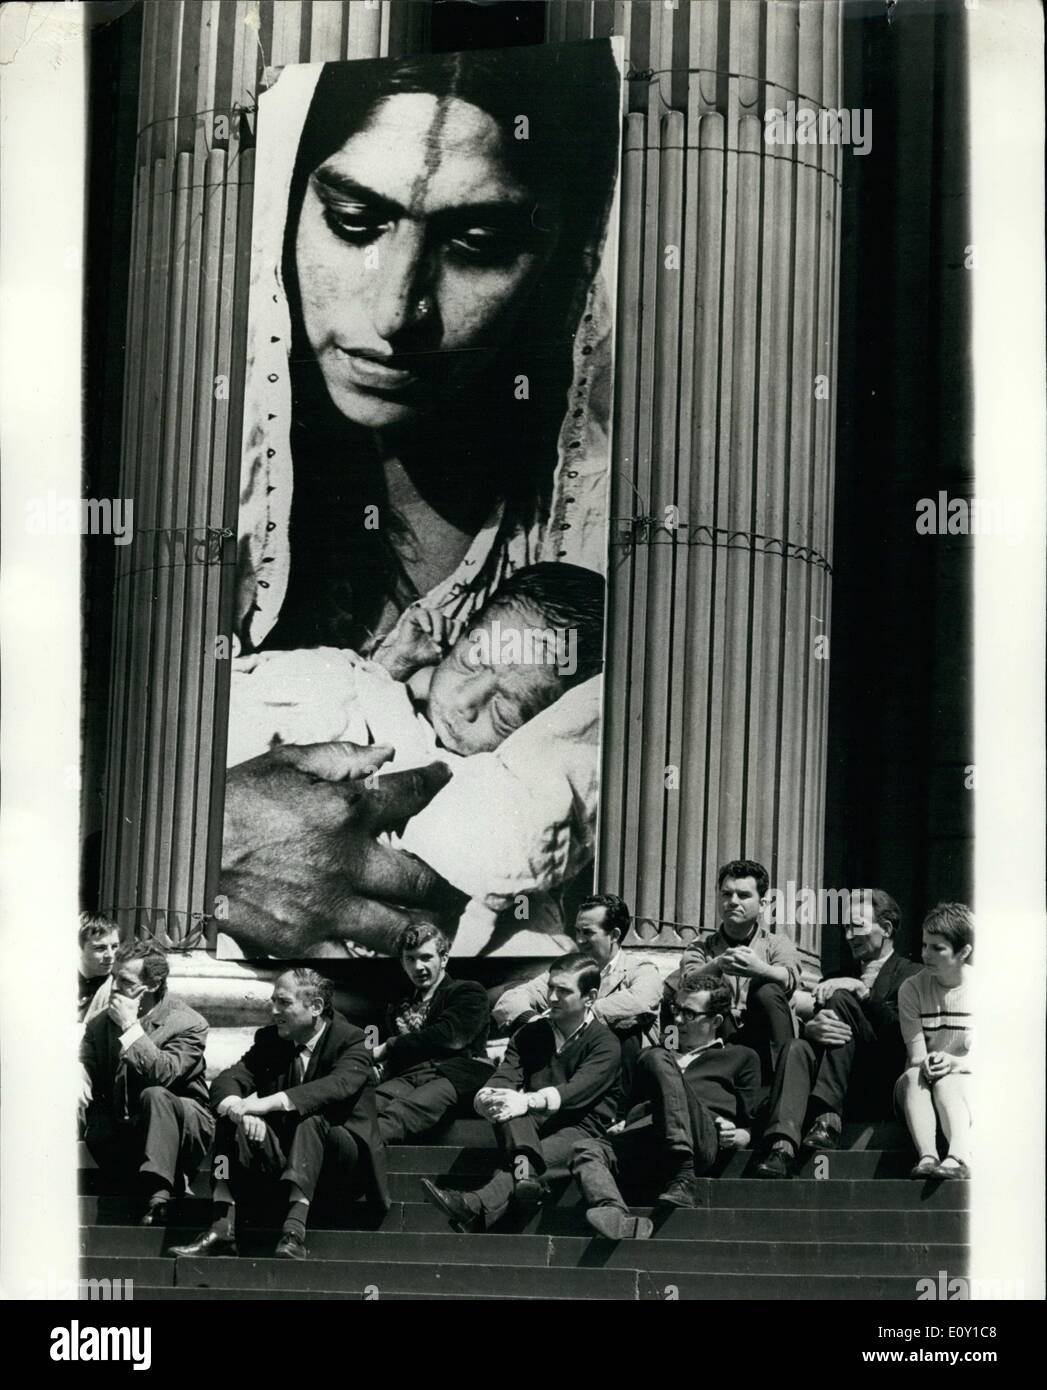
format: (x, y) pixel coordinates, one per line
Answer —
(372, 373)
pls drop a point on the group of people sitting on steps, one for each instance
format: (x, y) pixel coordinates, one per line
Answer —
(626, 1082)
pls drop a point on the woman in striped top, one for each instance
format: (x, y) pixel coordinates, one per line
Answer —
(935, 1013)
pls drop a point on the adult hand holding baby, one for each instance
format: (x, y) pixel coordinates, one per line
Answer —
(301, 862)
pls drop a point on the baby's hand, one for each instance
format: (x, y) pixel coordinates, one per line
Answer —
(420, 638)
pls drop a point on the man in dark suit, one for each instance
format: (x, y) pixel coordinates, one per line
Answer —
(851, 1050)
(434, 1054)
(302, 1095)
(692, 1096)
(557, 1084)
(143, 1060)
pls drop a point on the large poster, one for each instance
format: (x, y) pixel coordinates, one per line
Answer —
(423, 522)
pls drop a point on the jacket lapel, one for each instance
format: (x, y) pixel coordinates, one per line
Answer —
(317, 1053)
(614, 978)
(882, 984)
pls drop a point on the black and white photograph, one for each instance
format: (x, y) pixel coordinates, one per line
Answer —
(523, 610)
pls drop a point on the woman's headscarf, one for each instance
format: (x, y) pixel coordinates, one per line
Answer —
(569, 519)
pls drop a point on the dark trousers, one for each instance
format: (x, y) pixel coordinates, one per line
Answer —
(528, 1153)
(413, 1103)
(631, 1041)
(766, 1025)
(671, 1129)
(813, 1079)
(168, 1139)
(294, 1150)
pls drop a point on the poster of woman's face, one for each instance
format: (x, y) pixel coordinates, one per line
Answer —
(423, 521)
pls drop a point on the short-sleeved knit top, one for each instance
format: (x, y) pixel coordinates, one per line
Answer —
(942, 1014)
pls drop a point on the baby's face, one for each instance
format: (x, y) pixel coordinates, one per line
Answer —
(496, 677)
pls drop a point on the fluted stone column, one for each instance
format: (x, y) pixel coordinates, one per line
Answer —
(203, 65)
(720, 582)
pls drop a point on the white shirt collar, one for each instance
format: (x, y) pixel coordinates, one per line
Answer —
(309, 1046)
(614, 960)
(561, 1041)
(685, 1058)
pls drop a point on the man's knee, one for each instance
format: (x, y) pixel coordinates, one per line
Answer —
(312, 1128)
(797, 1052)
(155, 1098)
(848, 1008)
(652, 1061)
(340, 1147)
(766, 995)
(592, 1150)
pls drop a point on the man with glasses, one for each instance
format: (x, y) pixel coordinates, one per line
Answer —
(852, 1047)
(692, 1097)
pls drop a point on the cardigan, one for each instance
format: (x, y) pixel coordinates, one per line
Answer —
(585, 1072)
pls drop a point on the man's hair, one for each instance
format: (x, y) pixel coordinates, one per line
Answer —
(616, 913)
(695, 980)
(155, 965)
(418, 935)
(954, 922)
(93, 926)
(312, 987)
(746, 868)
(565, 597)
(885, 909)
(577, 963)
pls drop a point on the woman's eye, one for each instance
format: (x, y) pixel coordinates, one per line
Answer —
(486, 244)
(354, 222)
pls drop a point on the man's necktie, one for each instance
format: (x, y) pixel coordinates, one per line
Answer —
(299, 1064)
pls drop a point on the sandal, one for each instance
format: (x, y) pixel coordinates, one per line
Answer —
(951, 1168)
(927, 1167)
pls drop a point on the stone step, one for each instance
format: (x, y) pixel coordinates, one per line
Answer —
(406, 1187)
(111, 1230)
(467, 1163)
(881, 1194)
(474, 1133)
(583, 1269)
(842, 1163)
(736, 1223)
(147, 1295)
(716, 1250)
(684, 1287)
(266, 1277)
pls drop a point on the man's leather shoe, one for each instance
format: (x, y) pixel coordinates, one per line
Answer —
(777, 1163)
(210, 1242)
(614, 1224)
(291, 1246)
(824, 1133)
(682, 1191)
(454, 1206)
(157, 1213)
(530, 1193)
